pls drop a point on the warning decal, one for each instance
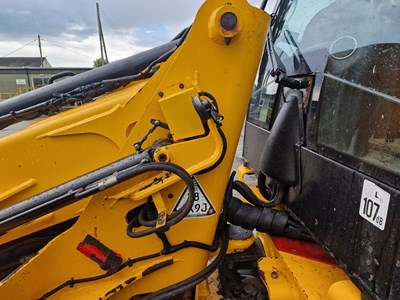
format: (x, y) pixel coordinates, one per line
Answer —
(374, 204)
(202, 206)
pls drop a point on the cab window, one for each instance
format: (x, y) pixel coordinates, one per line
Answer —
(263, 99)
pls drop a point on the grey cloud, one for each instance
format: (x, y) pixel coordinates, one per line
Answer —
(128, 25)
(29, 18)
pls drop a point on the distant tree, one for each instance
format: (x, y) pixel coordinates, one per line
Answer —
(99, 62)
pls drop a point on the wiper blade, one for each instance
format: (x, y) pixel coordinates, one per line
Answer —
(277, 64)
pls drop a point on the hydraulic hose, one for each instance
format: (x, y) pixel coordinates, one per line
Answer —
(174, 217)
(262, 219)
(274, 195)
(124, 67)
(189, 283)
(85, 93)
(259, 218)
(222, 156)
(248, 194)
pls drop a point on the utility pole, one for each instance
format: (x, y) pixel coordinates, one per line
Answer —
(40, 50)
(103, 49)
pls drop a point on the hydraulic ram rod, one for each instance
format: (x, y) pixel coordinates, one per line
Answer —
(58, 197)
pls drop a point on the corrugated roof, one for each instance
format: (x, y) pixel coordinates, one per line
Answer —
(22, 62)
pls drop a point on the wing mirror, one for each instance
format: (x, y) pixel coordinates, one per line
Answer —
(280, 159)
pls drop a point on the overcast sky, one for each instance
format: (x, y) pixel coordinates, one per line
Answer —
(69, 33)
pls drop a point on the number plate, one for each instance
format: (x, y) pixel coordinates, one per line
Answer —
(374, 204)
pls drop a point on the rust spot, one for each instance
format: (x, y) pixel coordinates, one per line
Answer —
(114, 290)
(130, 280)
(156, 180)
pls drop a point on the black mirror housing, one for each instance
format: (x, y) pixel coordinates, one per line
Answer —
(281, 157)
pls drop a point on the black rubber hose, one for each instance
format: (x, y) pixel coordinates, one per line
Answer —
(248, 194)
(221, 158)
(72, 282)
(262, 187)
(262, 219)
(211, 97)
(120, 68)
(274, 196)
(184, 35)
(274, 222)
(191, 282)
(175, 216)
(60, 75)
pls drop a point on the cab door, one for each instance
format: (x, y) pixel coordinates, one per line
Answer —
(348, 189)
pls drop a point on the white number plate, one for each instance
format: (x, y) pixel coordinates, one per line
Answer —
(374, 204)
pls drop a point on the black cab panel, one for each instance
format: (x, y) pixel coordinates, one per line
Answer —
(348, 188)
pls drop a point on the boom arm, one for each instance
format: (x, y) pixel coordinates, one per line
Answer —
(140, 218)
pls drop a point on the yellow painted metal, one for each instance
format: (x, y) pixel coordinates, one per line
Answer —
(161, 209)
(242, 171)
(206, 158)
(216, 32)
(75, 142)
(72, 211)
(240, 245)
(162, 154)
(183, 120)
(288, 276)
(18, 188)
(203, 291)
(236, 246)
(344, 289)
(62, 147)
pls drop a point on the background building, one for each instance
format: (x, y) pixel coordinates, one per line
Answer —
(19, 75)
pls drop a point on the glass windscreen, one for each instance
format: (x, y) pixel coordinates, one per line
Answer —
(355, 46)
(307, 31)
(263, 99)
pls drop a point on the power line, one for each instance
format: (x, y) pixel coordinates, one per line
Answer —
(110, 24)
(110, 21)
(27, 44)
(65, 48)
